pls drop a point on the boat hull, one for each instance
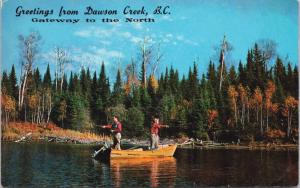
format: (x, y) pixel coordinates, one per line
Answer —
(164, 151)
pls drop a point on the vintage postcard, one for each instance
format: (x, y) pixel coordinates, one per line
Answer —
(141, 93)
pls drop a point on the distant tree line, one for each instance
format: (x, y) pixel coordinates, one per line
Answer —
(254, 99)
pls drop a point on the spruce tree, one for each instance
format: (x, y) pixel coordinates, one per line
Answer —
(47, 78)
(232, 76)
(242, 75)
(295, 82)
(250, 76)
(118, 91)
(13, 83)
(37, 79)
(103, 84)
(5, 85)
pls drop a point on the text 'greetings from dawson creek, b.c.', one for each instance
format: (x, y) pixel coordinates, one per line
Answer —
(89, 14)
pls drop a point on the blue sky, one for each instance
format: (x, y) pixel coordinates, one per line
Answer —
(189, 33)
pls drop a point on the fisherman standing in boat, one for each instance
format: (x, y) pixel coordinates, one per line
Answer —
(154, 133)
(116, 128)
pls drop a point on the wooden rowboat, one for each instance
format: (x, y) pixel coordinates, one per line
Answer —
(162, 151)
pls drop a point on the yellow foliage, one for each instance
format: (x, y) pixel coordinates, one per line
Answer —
(15, 130)
(8, 103)
(153, 82)
(33, 101)
(290, 103)
(257, 96)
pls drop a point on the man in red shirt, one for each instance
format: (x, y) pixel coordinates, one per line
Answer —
(154, 133)
(116, 128)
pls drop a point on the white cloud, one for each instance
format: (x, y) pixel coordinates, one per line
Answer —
(108, 54)
(137, 25)
(187, 41)
(105, 42)
(136, 39)
(105, 34)
(179, 37)
(94, 32)
(83, 33)
(169, 35)
(166, 18)
(125, 34)
(91, 56)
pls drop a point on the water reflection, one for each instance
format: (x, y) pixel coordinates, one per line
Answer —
(44, 165)
(152, 172)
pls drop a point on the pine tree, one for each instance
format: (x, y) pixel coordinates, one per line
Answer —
(167, 88)
(65, 83)
(47, 78)
(71, 83)
(280, 78)
(212, 75)
(142, 75)
(242, 75)
(95, 94)
(5, 85)
(89, 83)
(232, 76)
(37, 79)
(118, 91)
(289, 79)
(295, 82)
(13, 83)
(259, 68)
(85, 83)
(103, 84)
(250, 71)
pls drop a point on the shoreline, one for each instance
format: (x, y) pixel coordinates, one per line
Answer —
(29, 132)
(33, 133)
(223, 146)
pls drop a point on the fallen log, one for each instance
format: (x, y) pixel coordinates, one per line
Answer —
(24, 137)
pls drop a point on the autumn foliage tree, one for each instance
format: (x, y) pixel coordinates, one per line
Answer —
(290, 106)
(212, 115)
(257, 99)
(8, 105)
(270, 90)
(233, 95)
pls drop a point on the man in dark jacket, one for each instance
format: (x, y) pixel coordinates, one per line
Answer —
(116, 128)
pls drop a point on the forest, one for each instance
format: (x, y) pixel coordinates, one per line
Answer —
(257, 100)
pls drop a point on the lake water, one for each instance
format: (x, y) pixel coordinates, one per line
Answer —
(71, 165)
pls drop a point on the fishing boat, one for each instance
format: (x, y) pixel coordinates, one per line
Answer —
(162, 151)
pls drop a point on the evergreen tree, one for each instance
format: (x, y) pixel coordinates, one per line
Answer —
(37, 79)
(167, 88)
(295, 82)
(280, 78)
(289, 79)
(13, 83)
(212, 75)
(242, 78)
(47, 78)
(103, 84)
(85, 83)
(142, 75)
(5, 84)
(259, 68)
(250, 71)
(118, 91)
(232, 76)
(65, 84)
(95, 94)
